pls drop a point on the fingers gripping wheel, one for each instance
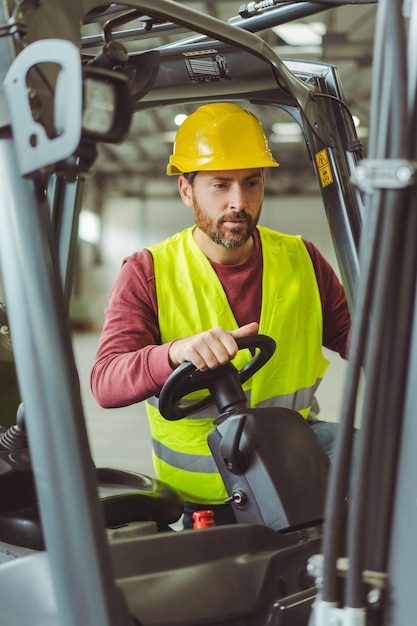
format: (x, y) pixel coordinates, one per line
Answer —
(186, 379)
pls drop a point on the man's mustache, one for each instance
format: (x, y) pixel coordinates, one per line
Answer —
(236, 215)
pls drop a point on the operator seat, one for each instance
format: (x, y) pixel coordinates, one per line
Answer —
(125, 496)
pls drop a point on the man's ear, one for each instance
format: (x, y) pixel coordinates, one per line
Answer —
(186, 191)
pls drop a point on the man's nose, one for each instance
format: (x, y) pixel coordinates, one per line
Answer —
(238, 199)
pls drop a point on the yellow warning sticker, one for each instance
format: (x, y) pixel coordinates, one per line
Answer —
(323, 165)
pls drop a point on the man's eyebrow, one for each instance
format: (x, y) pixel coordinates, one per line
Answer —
(257, 175)
(229, 178)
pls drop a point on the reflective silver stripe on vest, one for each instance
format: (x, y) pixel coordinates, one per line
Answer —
(297, 401)
(189, 462)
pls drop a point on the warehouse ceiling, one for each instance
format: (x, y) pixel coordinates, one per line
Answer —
(342, 36)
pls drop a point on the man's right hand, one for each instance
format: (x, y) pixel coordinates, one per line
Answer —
(209, 349)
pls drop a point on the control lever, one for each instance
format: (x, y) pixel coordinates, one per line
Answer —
(15, 438)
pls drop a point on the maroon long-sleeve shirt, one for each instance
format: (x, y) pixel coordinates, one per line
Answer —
(131, 364)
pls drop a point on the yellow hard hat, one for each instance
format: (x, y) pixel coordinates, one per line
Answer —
(220, 136)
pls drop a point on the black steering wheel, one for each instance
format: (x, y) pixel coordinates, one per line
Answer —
(186, 378)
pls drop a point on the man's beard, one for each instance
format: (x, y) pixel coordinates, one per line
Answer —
(224, 235)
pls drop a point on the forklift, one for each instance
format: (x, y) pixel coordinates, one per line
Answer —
(339, 565)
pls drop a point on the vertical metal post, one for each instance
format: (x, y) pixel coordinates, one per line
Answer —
(72, 520)
(65, 203)
(64, 473)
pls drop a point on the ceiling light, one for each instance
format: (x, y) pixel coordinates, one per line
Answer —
(363, 132)
(285, 132)
(286, 128)
(180, 118)
(165, 137)
(89, 226)
(301, 34)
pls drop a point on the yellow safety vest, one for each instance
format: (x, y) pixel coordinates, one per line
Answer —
(191, 299)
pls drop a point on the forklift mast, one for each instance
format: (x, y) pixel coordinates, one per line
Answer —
(366, 571)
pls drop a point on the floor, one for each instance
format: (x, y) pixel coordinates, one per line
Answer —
(119, 438)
